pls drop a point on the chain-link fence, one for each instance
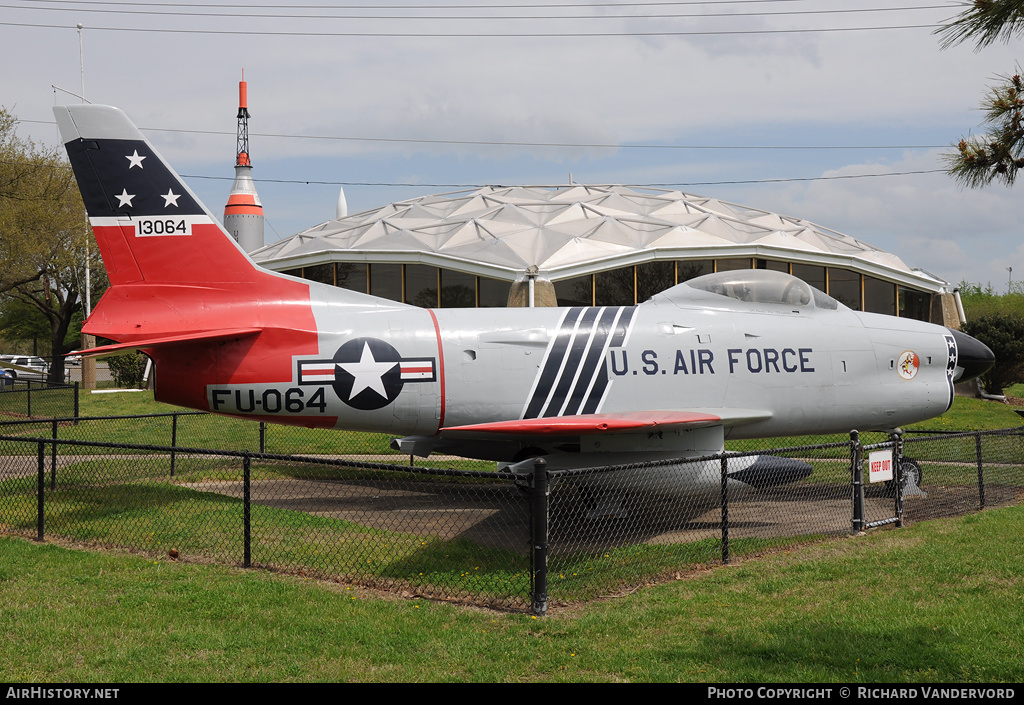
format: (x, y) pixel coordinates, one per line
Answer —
(197, 429)
(65, 369)
(519, 540)
(28, 399)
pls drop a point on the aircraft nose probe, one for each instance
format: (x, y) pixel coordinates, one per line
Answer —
(973, 359)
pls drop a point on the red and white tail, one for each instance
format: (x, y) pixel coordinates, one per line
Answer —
(149, 225)
(181, 289)
(174, 271)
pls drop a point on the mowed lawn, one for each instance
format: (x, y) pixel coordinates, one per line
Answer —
(938, 601)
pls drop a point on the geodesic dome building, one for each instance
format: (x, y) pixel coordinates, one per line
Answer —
(589, 245)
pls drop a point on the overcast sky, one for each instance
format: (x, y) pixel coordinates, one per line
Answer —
(758, 102)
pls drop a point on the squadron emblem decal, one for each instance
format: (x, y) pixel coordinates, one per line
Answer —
(908, 364)
(367, 373)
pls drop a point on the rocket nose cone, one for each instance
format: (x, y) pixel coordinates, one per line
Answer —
(973, 357)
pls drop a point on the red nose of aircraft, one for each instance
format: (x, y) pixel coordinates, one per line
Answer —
(973, 358)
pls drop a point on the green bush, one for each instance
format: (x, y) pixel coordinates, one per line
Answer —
(1004, 334)
(127, 370)
(984, 301)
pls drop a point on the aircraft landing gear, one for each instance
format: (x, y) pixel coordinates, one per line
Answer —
(911, 471)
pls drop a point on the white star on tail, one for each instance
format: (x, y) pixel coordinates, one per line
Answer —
(135, 159)
(125, 198)
(367, 373)
(171, 199)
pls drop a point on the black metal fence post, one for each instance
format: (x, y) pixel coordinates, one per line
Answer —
(246, 511)
(76, 403)
(263, 436)
(40, 490)
(981, 473)
(174, 440)
(539, 537)
(28, 398)
(857, 482)
(898, 473)
(725, 510)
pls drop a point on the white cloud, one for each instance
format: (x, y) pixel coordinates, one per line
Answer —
(925, 219)
(884, 87)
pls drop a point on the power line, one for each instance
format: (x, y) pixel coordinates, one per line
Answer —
(559, 145)
(479, 35)
(382, 6)
(807, 178)
(393, 184)
(651, 185)
(576, 145)
(248, 13)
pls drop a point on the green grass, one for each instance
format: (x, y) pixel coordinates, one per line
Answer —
(966, 414)
(44, 402)
(138, 506)
(226, 433)
(935, 602)
(207, 431)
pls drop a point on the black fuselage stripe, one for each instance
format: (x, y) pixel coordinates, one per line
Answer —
(577, 350)
(595, 355)
(597, 393)
(623, 327)
(593, 402)
(553, 363)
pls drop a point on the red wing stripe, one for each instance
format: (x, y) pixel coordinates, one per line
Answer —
(592, 423)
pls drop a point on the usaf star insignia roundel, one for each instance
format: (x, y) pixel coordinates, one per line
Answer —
(367, 373)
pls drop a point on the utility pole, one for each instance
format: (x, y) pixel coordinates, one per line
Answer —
(88, 341)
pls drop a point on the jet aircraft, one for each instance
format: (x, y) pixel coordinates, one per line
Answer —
(738, 354)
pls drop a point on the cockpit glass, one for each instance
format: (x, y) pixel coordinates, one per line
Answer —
(763, 286)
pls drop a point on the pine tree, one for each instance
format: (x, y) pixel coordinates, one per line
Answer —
(998, 155)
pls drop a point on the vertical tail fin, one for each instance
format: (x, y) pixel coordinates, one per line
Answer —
(175, 273)
(149, 225)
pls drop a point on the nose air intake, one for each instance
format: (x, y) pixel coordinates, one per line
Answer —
(974, 358)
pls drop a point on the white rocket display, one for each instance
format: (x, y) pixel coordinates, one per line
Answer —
(243, 214)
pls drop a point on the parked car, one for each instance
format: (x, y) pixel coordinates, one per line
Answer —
(26, 367)
(6, 378)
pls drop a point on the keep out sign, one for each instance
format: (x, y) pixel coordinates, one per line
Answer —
(880, 466)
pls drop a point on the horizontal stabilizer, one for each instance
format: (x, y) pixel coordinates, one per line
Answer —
(19, 368)
(135, 345)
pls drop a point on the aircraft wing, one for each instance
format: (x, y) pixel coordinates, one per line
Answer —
(135, 345)
(589, 424)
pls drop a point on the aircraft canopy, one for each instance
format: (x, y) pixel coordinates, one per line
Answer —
(759, 286)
